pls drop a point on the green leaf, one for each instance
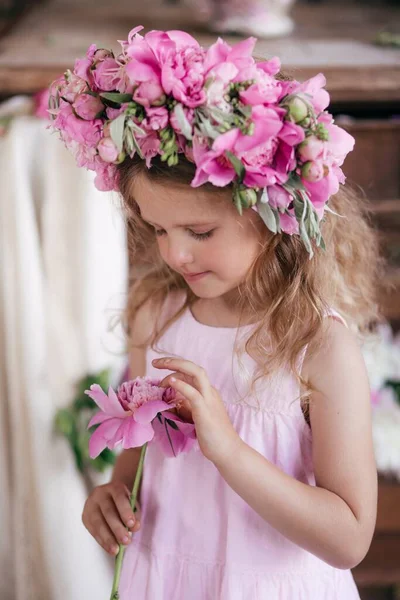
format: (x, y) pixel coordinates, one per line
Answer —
(205, 126)
(116, 97)
(131, 143)
(237, 165)
(117, 127)
(245, 110)
(183, 122)
(136, 128)
(268, 216)
(237, 199)
(64, 422)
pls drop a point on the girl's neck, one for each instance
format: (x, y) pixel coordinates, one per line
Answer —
(219, 312)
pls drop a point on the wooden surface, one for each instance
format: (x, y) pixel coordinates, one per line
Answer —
(382, 563)
(331, 36)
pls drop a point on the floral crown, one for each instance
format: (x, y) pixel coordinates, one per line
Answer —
(165, 95)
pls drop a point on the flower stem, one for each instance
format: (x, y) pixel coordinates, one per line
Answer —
(121, 552)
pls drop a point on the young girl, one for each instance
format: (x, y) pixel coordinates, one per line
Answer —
(253, 325)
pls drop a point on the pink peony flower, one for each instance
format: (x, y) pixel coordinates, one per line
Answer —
(149, 146)
(88, 107)
(126, 417)
(314, 171)
(107, 150)
(106, 179)
(314, 92)
(339, 145)
(213, 166)
(267, 90)
(182, 76)
(311, 149)
(291, 134)
(220, 57)
(83, 65)
(85, 156)
(149, 93)
(278, 197)
(323, 189)
(73, 87)
(258, 163)
(113, 113)
(87, 133)
(106, 74)
(289, 223)
(156, 118)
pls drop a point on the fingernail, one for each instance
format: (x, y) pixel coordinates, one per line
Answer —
(172, 379)
(125, 540)
(114, 550)
(131, 523)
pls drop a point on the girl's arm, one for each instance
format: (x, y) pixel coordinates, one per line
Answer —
(335, 519)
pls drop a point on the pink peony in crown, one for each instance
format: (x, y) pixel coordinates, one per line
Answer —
(273, 141)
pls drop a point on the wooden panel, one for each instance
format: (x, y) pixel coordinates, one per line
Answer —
(381, 566)
(374, 163)
(331, 37)
(388, 518)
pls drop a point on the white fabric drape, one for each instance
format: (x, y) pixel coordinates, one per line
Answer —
(63, 273)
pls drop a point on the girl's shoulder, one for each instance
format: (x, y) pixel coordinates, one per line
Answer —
(153, 315)
(335, 341)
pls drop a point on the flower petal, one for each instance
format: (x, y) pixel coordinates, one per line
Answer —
(188, 429)
(108, 404)
(172, 441)
(136, 434)
(147, 412)
(103, 437)
(99, 417)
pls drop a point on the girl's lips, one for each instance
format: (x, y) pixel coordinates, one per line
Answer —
(195, 276)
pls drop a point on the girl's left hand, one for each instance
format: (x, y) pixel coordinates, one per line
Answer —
(215, 433)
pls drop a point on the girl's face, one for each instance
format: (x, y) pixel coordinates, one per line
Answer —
(201, 236)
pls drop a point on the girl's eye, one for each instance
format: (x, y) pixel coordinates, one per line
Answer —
(196, 236)
(201, 236)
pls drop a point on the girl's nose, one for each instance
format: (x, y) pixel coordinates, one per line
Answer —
(179, 254)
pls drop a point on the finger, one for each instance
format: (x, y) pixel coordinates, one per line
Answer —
(192, 395)
(113, 520)
(103, 534)
(186, 367)
(121, 499)
(166, 381)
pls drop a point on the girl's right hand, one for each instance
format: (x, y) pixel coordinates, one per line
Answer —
(108, 516)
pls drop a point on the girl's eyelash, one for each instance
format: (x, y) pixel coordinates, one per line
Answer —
(201, 236)
(196, 236)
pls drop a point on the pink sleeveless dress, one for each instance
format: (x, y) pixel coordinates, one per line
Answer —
(198, 539)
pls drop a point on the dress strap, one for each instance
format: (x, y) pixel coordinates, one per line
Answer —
(334, 314)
